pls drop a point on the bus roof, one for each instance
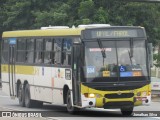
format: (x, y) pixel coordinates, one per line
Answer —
(56, 32)
(46, 32)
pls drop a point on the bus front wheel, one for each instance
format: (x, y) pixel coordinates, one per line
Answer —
(127, 111)
(70, 108)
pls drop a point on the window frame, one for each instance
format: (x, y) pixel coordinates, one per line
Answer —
(41, 51)
(51, 52)
(21, 51)
(30, 50)
(6, 50)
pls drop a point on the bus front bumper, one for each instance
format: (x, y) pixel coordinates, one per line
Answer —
(115, 103)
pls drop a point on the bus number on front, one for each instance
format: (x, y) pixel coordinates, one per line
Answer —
(90, 69)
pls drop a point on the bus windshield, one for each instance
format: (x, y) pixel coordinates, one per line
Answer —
(111, 61)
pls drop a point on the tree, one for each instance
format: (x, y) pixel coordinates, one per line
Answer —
(32, 14)
(17, 14)
(2, 15)
(54, 16)
(101, 16)
(86, 12)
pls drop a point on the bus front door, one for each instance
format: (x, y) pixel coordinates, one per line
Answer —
(76, 75)
(11, 70)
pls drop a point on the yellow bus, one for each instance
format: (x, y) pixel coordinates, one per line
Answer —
(91, 66)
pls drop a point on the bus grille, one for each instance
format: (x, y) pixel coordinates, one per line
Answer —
(110, 105)
(116, 95)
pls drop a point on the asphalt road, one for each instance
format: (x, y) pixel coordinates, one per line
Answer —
(54, 112)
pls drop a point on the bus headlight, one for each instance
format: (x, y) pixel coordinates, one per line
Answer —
(98, 95)
(91, 95)
(144, 93)
(139, 94)
(149, 93)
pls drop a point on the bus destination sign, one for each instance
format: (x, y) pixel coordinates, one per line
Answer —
(113, 33)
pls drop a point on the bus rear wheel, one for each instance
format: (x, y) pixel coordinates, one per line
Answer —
(28, 102)
(21, 96)
(127, 111)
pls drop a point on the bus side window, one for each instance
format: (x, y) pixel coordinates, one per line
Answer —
(30, 51)
(66, 53)
(39, 51)
(57, 50)
(48, 51)
(5, 46)
(21, 50)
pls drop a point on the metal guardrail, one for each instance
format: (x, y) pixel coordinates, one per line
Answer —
(155, 86)
(155, 92)
(0, 83)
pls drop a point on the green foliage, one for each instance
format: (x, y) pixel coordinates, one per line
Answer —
(33, 14)
(55, 17)
(101, 16)
(156, 58)
(16, 14)
(86, 9)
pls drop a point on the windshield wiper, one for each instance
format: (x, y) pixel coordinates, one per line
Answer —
(130, 53)
(102, 49)
(130, 56)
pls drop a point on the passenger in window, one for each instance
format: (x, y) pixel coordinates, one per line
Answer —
(124, 58)
(48, 61)
(39, 60)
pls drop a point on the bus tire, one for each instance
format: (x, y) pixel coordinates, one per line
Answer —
(71, 109)
(21, 96)
(127, 111)
(28, 102)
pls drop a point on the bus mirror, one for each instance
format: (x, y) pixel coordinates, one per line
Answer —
(150, 50)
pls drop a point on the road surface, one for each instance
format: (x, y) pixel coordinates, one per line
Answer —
(53, 112)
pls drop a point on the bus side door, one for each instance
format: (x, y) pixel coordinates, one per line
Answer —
(11, 67)
(76, 74)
